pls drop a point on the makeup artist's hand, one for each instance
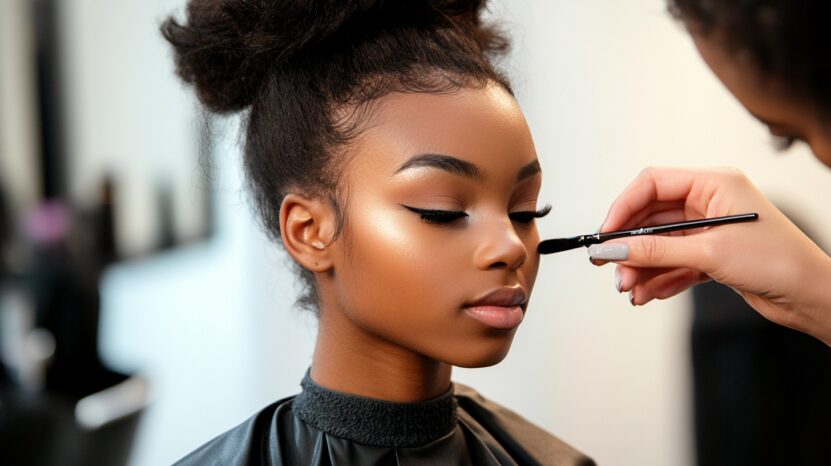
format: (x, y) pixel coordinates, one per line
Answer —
(769, 262)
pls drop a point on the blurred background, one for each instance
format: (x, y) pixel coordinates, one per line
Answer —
(142, 312)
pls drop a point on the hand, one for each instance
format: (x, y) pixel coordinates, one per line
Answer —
(770, 262)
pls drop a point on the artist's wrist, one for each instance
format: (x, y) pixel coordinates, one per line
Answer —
(814, 315)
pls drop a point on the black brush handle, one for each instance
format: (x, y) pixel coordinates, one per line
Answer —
(668, 227)
(564, 244)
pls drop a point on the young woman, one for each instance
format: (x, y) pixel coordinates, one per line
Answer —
(389, 157)
(773, 56)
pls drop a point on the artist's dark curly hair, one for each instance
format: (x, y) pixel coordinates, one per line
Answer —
(297, 67)
(787, 39)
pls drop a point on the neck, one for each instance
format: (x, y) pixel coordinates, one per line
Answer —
(352, 360)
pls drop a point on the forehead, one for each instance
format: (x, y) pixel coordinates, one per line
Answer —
(484, 126)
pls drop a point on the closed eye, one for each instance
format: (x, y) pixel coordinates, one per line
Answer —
(435, 216)
(529, 216)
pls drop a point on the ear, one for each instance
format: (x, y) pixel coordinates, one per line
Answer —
(307, 227)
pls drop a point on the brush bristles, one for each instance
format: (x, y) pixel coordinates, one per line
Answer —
(550, 246)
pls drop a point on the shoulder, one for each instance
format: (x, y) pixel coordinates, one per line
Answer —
(241, 444)
(516, 433)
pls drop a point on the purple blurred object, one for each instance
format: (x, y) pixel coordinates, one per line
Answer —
(49, 223)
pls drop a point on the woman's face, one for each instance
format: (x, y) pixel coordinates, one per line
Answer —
(785, 115)
(438, 254)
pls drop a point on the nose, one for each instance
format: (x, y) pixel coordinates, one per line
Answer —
(500, 248)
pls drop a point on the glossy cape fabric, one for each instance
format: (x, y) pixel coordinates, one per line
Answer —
(485, 434)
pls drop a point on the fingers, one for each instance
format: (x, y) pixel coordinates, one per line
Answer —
(627, 277)
(656, 185)
(644, 285)
(660, 283)
(665, 285)
(654, 214)
(658, 218)
(654, 266)
(652, 251)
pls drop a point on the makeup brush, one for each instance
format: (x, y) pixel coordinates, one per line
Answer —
(564, 244)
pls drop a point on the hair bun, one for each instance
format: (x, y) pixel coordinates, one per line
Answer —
(227, 46)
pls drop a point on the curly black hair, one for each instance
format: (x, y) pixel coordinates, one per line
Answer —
(296, 67)
(787, 39)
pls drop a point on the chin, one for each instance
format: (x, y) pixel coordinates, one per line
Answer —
(485, 356)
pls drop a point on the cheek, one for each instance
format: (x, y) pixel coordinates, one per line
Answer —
(392, 267)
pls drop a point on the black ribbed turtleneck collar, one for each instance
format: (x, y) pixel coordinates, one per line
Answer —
(375, 422)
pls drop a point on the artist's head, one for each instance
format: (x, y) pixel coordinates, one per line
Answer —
(773, 56)
(386, 153)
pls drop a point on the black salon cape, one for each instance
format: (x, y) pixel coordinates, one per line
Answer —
(481, 433)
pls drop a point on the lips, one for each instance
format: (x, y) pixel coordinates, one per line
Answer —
(505, 297)
(502, 308)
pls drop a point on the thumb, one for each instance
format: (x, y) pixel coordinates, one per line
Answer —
(654, 251)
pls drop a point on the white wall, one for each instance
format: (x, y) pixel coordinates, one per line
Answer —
(18, 122)
(608, 87)
(211, 326)
(128, 116)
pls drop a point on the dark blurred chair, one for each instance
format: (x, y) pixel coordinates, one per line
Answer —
(762, 392)
(46, 429)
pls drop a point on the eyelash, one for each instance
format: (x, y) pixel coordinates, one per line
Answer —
(440, 217)
(783, 143)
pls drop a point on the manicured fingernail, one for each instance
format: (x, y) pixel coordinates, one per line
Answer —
(631, 298)
(609, 252)
(618, 279)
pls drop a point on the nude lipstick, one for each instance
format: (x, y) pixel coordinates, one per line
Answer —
(501, 308)
(550, 246)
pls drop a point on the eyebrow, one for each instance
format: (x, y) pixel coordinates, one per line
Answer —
(447, 163)
(529, 170)
(461, 167)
